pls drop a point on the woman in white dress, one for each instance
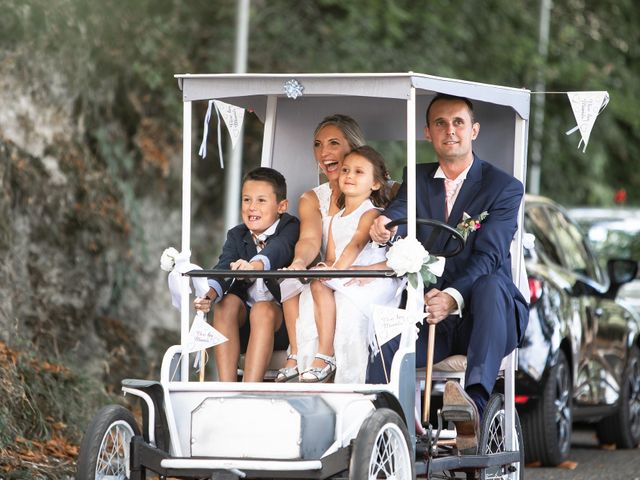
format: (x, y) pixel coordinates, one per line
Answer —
(334, 137)
(364, 192)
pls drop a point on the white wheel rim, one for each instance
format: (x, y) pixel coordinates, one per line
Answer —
(496, 444)
(390, 455)
(113, 456)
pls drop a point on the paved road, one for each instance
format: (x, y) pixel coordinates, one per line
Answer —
(593, 463)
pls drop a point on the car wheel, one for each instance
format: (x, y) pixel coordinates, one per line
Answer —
(492, 438)
(381, 449)
(104, 451)
(547, 428)
(623, 427)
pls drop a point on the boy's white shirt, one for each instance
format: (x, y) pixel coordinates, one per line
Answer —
(258, 291)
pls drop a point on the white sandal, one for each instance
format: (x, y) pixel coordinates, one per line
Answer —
(320, 374)
(288, 373)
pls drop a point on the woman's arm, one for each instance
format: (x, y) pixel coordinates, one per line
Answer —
(358, 241)
(310, 240)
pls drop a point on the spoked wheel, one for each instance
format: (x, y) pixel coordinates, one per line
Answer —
(381, 449)
(548, 425)
(623, 428)
(104, 451)
(493, 440)
(437, 228)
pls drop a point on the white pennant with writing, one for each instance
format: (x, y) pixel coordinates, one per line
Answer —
(233, 118)
(202, 335)
(586, 107)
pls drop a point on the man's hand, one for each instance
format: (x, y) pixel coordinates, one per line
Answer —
(438, 305)
(378, 232)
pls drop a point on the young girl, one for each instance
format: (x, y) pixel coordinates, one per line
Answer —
(343, 344)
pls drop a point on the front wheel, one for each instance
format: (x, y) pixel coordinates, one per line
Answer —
(381, 449)
(547, 427)
(493, 438)
(104, 451)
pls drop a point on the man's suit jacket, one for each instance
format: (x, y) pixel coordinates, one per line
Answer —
(486, 188)
(279, 250)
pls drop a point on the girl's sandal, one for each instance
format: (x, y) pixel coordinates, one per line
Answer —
(288, 373)
(320, 374)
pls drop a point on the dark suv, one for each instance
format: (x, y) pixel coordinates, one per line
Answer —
(580, 359)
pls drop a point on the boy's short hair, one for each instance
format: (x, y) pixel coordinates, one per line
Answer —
(269, 175)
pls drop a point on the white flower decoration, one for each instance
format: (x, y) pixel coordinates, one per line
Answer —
(408, 257)
(293, 88)
(168, 259)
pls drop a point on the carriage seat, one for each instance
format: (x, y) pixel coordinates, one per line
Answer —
(452, 367)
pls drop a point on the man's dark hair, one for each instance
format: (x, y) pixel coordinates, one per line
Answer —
(444, 96)
(269, 175)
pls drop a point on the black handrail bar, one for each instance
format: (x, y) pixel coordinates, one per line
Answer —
(291, 273)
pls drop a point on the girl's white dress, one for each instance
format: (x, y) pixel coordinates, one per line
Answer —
(354, 303)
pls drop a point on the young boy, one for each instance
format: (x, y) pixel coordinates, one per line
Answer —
(264, 241)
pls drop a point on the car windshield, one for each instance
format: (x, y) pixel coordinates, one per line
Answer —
(613, 234)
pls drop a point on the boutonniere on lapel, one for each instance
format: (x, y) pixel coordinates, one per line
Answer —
(470, 224)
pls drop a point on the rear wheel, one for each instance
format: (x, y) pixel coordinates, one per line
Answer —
(104, 451)
(547, 428)
(623, 427)
(381, 449)
(493, 438)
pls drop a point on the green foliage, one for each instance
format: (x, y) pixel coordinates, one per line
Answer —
(119, 60)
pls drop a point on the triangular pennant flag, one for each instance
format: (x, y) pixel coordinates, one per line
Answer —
(586, 107)
(233, 118)
(389, 322)
(202, 335)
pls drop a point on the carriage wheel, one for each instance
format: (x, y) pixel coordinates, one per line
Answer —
(381, 449)
(104, 451)
(492, 438)
(623, 427)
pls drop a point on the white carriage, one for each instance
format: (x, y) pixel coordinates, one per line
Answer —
(292, 430)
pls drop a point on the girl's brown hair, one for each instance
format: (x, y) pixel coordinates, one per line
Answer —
(382, 196)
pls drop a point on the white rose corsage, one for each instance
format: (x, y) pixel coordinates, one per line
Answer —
(408, 257)
(168, 259)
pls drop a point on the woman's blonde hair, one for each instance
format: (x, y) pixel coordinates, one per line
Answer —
(347, 125)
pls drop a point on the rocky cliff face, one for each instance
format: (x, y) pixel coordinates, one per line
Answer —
(80, 245)
(84, 217)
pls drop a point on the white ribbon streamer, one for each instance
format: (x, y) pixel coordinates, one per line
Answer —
(181, 266)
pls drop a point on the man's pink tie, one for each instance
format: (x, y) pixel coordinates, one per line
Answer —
(450, 188)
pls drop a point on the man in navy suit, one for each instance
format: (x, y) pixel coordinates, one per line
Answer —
(477, 309)
(264, 241)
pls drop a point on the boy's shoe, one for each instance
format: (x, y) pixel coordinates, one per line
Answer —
(460, 409)
(288, 373)
(320, 374)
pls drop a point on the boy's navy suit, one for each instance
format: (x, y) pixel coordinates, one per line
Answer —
(277, 253)
(494, 321)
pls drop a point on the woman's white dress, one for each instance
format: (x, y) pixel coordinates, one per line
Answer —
(354, 329)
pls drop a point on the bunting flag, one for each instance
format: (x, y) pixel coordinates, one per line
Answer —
(233, 118)
(389, 322)
(202, 336)
(586, 107)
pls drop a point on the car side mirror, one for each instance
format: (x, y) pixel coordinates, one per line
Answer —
(620, 271)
